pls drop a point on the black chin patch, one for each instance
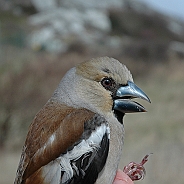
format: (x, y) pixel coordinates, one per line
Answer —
(119, 115)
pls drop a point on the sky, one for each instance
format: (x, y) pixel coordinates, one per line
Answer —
(171, 7)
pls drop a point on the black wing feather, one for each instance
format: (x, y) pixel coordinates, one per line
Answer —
(90, 164)
(98, 163)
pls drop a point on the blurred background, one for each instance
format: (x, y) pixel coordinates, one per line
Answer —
(41, 40)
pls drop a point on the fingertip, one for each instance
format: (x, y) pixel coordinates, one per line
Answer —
(122, 178)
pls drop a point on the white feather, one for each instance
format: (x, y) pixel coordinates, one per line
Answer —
(84, 147)
(52, 171)
(97, 135)
(51, 138)
(66, 167)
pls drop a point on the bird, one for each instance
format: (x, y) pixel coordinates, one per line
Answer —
(77, 137)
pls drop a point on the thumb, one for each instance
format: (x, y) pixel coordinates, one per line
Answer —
(122, 178)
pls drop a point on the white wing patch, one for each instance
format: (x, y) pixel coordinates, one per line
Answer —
(52, 171)
(52, 138)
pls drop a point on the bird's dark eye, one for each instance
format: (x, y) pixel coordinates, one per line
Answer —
(108, 83)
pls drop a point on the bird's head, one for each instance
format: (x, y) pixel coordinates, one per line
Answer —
(103, 85)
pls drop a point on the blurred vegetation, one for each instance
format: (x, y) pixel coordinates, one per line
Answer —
(28, 79)
(160, 130)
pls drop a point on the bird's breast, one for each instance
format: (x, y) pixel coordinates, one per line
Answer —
(115, 151)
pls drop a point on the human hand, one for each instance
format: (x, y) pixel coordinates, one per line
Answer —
(122, 178)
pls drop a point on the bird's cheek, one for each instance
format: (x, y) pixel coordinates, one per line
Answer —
(108, 107)
(107, 103)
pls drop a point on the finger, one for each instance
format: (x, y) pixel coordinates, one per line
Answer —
(122, 178)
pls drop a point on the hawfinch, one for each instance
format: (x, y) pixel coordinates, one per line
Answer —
(77, 137)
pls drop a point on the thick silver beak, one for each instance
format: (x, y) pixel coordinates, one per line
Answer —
(124, 94)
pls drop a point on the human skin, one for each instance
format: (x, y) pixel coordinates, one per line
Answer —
(122, 178)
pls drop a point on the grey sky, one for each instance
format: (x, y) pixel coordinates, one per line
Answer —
(172, 7)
